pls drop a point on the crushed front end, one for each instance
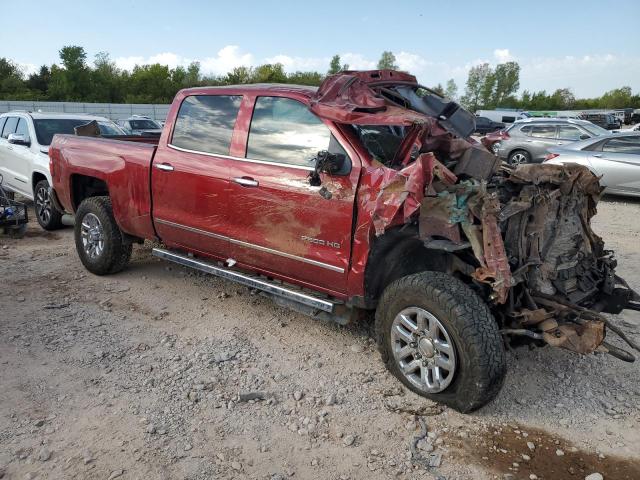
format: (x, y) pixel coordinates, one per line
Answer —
(521, 237)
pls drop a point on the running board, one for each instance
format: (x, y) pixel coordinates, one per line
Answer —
(246, 279)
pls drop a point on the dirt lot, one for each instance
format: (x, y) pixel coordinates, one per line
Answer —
(150, 374)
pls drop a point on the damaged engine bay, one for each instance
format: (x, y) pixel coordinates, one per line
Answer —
(520, 236)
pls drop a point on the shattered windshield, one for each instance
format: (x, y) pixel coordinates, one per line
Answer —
(381, 141)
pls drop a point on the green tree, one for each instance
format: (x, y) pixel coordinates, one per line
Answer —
(335, 66)
(616, 98)
(72, 82)
(269, 73)
(238, 76)
(439, 89)
(479, 80)
(150, 84)
(305, 78)
(39, 82)
(451, 90)
(106, 81)
(507, 82)
(12, 84)
(387, 61)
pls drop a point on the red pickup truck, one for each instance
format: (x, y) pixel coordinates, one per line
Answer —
(365, 194)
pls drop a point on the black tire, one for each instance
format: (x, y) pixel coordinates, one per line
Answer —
(479, 350)
(48, 217)
(519, 157)
(116, 252)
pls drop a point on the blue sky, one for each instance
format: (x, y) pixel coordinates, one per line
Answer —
(585, 45)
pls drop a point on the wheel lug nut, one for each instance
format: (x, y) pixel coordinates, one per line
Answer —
(413, 344)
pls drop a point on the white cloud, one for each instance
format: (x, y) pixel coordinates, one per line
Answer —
(28, 68)
(228, 58)
(357, 61)
(502, 55)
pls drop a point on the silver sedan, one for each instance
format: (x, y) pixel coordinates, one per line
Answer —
(615, 157)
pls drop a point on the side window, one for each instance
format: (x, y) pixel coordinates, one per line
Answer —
(526, 130)
(10, 126)
(543, 131)
(628, 145)
(566, 132)
(508, 119)
(285, 131)
(205, 123)
(2, 120)
(22, 128)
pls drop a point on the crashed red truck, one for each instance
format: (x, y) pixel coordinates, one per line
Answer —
(400, 211)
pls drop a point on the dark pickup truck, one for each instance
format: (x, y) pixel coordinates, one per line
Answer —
(364, 195)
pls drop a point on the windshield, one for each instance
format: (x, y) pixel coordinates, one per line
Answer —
(143, 125)
(46, 128)
(595, 130)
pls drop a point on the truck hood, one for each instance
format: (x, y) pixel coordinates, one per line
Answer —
(520, 236)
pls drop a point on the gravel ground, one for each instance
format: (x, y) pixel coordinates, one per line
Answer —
(162, 373)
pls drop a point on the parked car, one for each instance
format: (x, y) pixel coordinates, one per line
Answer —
(527, 141)
(143, 126)
(615, 157)
(24, 163)
(635, 117)
(607, 121)
(324, 200)
(484, 126)
(503, 116)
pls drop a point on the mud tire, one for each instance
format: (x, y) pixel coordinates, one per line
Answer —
(478, 344)
(116, 253)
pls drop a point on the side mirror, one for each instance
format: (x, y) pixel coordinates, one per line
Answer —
(19, 139)
(584, 136)
(330, 163)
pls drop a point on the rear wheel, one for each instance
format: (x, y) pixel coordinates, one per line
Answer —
(99, 241)
(48, 217)
(440, 340)
(519, 157)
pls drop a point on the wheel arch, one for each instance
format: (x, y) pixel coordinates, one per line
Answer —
(396, 254)
(37, 177)
(84, 186)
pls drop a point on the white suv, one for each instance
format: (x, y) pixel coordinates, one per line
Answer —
(24, 159)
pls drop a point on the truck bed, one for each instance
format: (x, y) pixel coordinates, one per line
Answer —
(123, 163)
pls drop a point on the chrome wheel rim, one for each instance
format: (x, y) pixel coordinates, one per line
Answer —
(423, 350)
(43, 205)
(92, 235)
(518, 158)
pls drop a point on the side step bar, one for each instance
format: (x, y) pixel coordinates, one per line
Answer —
(246, 279)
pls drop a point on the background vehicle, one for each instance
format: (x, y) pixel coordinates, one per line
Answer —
(527, 141)
(607, 121)
(24, 163)
(143, 126)
(615, 157)
(484, 126)
(503, 116)
(321, 203)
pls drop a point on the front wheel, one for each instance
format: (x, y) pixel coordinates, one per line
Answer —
(99, 241)
(439, 339)
(48, 217)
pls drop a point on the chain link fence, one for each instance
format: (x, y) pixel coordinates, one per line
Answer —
(114, 111)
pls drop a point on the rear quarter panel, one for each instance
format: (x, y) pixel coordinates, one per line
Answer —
(122, 165)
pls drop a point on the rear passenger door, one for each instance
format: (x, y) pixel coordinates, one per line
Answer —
(190, 176)
(282, 224)
(541, 138)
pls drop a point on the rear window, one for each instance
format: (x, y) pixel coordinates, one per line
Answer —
(381, 141)
(9, 126)
(143, 125)
(205, 123)
(508, 119)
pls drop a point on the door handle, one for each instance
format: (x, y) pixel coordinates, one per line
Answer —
(597, 155)
(166, 167)
(246, 181)
(559, 143)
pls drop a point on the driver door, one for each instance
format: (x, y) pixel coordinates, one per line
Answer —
(281, 224)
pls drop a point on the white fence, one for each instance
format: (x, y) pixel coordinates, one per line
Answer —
(113, 111)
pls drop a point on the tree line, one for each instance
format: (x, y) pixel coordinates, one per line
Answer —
(77, 80)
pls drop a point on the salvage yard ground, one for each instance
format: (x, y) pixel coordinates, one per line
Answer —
(160, 372)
